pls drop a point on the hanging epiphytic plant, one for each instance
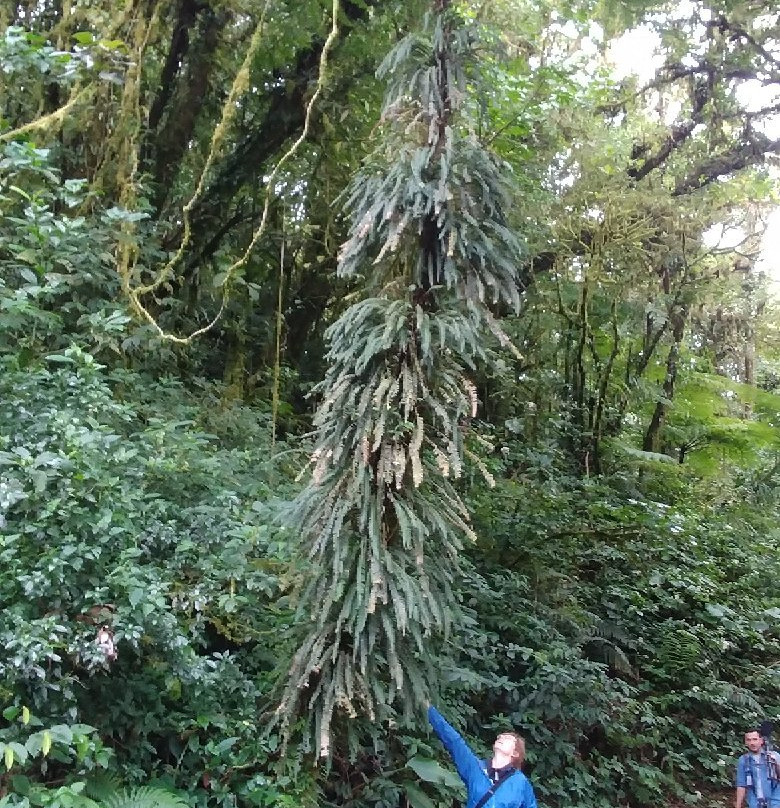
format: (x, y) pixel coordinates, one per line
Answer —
(380, 519)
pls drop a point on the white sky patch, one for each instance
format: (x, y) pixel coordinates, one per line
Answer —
(635, 53)
(577, 49)
(769, 261)
(725, 237)
(755, 95)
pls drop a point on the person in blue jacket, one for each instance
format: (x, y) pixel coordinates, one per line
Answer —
(494, 783)
(758, 772)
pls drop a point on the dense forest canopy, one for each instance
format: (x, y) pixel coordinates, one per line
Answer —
(361, 353)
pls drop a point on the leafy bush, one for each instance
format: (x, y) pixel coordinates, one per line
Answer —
(115, 517)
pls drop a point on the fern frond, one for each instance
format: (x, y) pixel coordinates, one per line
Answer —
(144, 797)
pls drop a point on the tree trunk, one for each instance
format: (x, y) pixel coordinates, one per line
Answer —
(652, 440)
(175, 114)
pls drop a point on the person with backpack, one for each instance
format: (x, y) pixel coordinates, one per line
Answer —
(493, 783)
(758, 774)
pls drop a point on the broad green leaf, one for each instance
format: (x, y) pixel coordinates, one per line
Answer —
(432, 772)
(417, 797)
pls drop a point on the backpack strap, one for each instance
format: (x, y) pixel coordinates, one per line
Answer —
(492, 790)
(746, 763)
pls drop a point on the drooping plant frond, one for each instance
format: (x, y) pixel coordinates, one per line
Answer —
(432, 201)
(381, 522)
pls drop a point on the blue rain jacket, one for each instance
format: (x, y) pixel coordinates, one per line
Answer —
(753, 777)
(516, 792)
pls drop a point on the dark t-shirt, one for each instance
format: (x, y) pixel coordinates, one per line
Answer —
(498, 774)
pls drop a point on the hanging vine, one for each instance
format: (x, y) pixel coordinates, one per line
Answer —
(380, 520)
(241, 83)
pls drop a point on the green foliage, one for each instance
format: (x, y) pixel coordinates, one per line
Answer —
(56, 275)
(720, 418)
(30, 749)
(663, 583)
(146, 525)
(613, 596)
(23, 52)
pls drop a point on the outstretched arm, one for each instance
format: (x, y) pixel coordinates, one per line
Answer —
(466, 762)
